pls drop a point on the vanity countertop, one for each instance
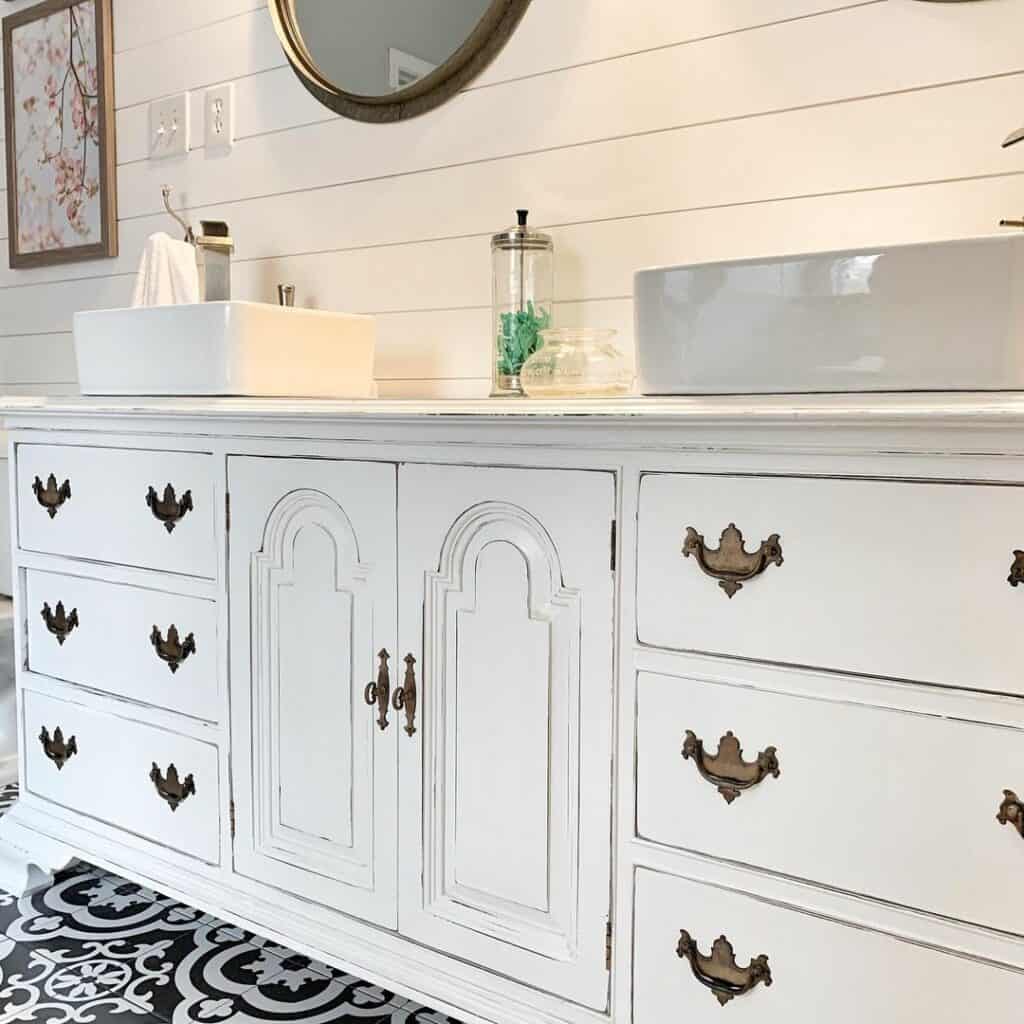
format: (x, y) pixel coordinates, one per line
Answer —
(959, 408)
(965, 423)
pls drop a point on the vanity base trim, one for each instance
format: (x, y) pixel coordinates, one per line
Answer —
(29, 859)
(383, 958)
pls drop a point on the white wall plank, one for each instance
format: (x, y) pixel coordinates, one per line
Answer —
(553, 35)
(840, 57)
(243, 45)
(848, 54)
(37, 359)
(138, 22)
(557, 34)
(596, 263)
(641, 133)
(899, 140)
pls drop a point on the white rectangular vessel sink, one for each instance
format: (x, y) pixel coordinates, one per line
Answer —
(225, 348)
(938, 317)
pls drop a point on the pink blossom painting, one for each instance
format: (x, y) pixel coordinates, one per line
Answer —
(58, 101)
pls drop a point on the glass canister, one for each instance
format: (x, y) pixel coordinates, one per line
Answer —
(577, 362)
(523, 287)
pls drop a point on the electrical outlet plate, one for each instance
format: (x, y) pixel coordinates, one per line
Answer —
(219, 114)
(169, 127)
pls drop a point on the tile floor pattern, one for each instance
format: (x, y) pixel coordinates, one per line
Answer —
(94, 949)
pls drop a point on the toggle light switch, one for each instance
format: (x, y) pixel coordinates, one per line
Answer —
(169, 127)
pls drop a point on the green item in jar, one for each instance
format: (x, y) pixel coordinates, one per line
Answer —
(520, 338)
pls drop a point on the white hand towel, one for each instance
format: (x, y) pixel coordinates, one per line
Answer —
(167, 274)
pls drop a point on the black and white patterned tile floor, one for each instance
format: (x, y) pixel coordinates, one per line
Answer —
(94, 948)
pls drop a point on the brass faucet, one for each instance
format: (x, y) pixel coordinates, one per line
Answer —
(213, 260)
(213, 248)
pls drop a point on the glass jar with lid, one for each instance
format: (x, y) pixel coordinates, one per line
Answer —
(522, 290)
(577, 362)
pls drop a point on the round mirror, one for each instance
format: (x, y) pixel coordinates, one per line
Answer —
(386, 60)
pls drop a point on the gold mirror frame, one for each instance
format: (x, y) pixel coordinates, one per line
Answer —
(479, 49)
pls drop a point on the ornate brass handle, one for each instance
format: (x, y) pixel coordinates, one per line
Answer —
(55, 748)
(58, 622)
(1011, 811)
(727, 770)
(172, 789)
(168, 509)
(1016, 576)
(379, 692)
(51, 497)
(172, 650)
(730, 563)
(720, 972)
(405, 696)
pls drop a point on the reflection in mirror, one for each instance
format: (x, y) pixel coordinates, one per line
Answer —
(386, 60)
(376, 47)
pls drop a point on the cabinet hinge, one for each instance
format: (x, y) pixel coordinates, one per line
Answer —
(615, 530)
(227, 511)
(608, 947)
(231, 817)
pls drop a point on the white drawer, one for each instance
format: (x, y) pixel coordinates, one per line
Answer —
(109, 774)
(113, 505)
(102, 635)
(890, 804)
(820, 970)
(901, 580)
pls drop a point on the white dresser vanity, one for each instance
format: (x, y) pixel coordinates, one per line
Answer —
(452, 695)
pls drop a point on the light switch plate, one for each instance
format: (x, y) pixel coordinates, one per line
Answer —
(219, 113)
(169, 126)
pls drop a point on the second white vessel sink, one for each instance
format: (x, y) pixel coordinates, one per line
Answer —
(225, 348)
(939, 317)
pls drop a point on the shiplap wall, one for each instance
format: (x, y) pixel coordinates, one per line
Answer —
(637, 131)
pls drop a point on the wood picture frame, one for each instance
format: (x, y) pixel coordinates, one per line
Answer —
(73, 205)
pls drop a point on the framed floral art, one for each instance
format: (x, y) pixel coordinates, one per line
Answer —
(59, 125)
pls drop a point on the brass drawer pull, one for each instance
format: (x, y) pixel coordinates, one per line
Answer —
(405, 696)
(172, 650)
(727, 770)
(55, 748)
(51, 497)
(168, 509)
(172, 790)
(1011, 811)
(59, 623)
(1016, 576)
(379, 692)
(730, 563)
(720, 972)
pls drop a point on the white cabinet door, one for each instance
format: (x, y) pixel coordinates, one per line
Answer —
(312, 597)
(506, 602)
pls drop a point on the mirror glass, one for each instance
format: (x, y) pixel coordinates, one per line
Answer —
(375, 48)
